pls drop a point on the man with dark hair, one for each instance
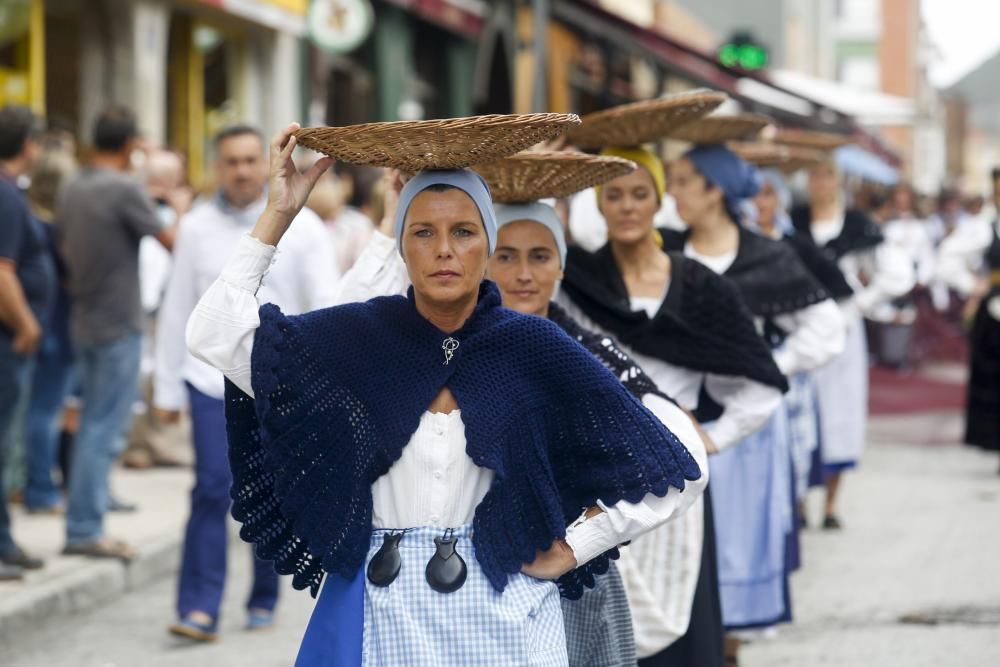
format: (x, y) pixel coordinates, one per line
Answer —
(104, 213)
(27, 287)
(303, 278)
(115, 130)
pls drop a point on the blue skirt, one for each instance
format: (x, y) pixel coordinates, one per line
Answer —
(752, 487)
(408, 623)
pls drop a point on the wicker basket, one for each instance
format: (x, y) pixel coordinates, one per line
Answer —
(641, 122)
(534, 175)
(823, 141)
(453, 143)
(720, 129)
(785, 158)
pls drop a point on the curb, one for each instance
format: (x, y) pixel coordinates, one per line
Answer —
(94, 583)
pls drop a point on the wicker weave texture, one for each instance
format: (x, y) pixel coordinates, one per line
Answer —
(641, 122)
(530, 176)
(824, 141)
(720, 129)
(452, 143)
(785, 158)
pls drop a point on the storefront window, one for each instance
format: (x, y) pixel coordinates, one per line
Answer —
(15, 70)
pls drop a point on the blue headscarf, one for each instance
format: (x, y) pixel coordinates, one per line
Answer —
(538, 212)
(776, 180)
(727, 171)
(467, 181)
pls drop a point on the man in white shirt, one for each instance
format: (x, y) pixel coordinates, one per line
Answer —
(303, 278)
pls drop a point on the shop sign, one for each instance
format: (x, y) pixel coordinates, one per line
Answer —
(340, 26)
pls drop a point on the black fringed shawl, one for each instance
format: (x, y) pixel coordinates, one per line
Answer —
(823, 267)
(608, 353)
(859, 233)
(769, 274)
(339, 393)
(703, 324)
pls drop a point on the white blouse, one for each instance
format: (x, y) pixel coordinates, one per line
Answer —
(434, 482)
(961, 254)
(877, 274)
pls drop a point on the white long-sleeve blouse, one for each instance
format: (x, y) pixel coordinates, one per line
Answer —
(434, 482)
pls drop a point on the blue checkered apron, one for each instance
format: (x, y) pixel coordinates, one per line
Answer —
(599, 625)
(408, 623)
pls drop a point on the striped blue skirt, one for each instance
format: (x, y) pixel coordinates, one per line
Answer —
(408, 623)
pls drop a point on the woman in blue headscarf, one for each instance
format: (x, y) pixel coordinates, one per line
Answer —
(527, 267)
(425, 454)
(753, 482)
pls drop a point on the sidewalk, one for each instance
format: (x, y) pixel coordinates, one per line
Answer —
(69, 584)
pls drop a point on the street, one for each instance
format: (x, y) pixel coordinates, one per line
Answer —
(917, 543)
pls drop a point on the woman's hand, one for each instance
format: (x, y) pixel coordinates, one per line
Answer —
(551, 564)
(392, 183)
(287, 187)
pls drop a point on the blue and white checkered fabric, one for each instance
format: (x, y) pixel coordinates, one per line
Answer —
(803, 428)
(408, 623)
(599, 625)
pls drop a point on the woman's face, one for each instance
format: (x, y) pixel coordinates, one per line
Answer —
(902, 200)
(526, 266)
(629, 204)
(766, 202)
(695, 198)
(823, 184)
(444, 246)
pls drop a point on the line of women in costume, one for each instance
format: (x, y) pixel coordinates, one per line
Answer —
(453, 468)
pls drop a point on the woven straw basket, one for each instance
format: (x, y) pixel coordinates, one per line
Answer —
(641, 122)
(535, 175)
(453, 143)
(785, 158)
(823, 141)
(720, 129)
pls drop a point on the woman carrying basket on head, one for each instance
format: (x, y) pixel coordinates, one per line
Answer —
(427, 451)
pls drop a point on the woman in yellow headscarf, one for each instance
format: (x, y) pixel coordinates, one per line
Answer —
(688, 328)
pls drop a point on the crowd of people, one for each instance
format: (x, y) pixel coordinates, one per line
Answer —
(738, 322)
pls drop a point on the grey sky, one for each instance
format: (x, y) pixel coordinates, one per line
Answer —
(966, 32)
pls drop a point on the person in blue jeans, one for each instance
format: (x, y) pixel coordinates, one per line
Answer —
(303, 278)
(53, 376)
(27, 280)
(103, 214)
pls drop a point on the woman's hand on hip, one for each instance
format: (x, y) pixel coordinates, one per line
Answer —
(288, 188)
(553, 563)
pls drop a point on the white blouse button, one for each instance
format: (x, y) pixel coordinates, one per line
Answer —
(438, 474)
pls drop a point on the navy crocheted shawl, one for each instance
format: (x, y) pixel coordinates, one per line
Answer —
(339, 392)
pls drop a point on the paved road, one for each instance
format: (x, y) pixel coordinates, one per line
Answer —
(922, 536)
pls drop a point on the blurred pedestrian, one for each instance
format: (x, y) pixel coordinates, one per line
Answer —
(104, 212)
(877, 272)
(304, 277)
(969, 262)
(27, 282)
(345, 202)
(151, 442)
(54, 374)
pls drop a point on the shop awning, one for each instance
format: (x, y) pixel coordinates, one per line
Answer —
(854, 160)
(283, 15)
(868, 107)
(754, 89)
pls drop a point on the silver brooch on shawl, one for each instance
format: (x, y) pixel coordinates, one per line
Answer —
(449, 346)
